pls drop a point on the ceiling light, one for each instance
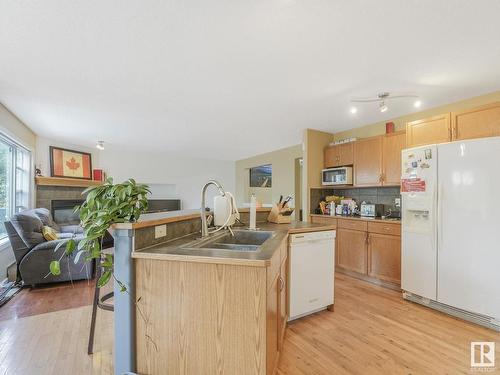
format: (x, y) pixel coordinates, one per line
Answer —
(417, 104)
(100, 145)
(383, 108)
(354, 110)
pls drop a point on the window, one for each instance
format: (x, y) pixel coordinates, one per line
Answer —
(261, 176)
(15, 172)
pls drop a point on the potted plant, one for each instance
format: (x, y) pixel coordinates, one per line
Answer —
(104, 205)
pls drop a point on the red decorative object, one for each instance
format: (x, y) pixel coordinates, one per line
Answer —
(98, 175)
(389, 127)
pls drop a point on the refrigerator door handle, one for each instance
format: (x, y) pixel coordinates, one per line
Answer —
(439, 229)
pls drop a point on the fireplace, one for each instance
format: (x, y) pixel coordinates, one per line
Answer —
(63, 211)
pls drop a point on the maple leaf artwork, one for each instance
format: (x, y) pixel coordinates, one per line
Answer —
(72, 164)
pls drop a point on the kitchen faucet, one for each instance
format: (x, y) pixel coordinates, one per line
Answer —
(204, 226)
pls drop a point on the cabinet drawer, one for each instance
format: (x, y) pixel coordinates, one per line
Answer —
(352, 224)
(324, 220)
(385, 228)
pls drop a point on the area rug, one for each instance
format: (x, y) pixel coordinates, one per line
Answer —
(8, 290)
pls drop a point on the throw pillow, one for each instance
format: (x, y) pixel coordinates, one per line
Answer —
(49, 233)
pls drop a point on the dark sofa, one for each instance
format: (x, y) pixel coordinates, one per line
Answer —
(33, 253)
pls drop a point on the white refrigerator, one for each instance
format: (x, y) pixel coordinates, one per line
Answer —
(451, 228)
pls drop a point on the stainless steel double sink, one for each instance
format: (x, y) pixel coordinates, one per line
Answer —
(238, 240)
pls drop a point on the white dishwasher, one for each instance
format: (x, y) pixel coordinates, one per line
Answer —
(311, 276)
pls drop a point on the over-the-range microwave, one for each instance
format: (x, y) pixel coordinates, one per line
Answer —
(337, 176)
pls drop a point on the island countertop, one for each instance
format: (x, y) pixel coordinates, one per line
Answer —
(174, 250)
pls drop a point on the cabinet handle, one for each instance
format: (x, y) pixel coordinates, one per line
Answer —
(450, 130)
(367, 241)
(282, 283)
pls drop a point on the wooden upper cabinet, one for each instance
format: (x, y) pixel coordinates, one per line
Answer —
(478, 122)
(339, 155)
(346, 153)
(331, 158)
(436, 129)
(392, 145)
(368, 162)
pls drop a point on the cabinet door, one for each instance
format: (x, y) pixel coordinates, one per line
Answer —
(479, 122)
(352, 253)
(368, 162)
(346, 153)
(384, 257)
(392, 145)
(272, 326)
(283, 305)
(331, 157)
(427, 131)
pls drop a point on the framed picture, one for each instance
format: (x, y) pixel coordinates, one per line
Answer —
(261, 176)
(70, 163)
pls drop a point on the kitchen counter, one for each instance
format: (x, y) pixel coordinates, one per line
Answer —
(378, 219)
(173, 250)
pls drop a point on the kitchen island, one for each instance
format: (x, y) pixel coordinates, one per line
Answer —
(203, 310)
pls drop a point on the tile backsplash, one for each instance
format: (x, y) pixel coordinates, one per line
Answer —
(381, 195)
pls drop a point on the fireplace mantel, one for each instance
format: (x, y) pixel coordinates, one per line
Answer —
(70, 182)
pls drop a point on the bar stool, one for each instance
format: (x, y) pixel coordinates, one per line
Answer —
(99, 302)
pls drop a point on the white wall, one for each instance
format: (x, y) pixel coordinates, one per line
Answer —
(11, 126)
(283, 175)
(169, 175)
(184, 176)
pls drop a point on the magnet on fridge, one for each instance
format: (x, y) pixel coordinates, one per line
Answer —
(414, 164)
(428, 154)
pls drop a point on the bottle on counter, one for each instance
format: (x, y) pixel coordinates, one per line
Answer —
(332, 208)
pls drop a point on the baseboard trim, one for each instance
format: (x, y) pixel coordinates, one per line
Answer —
(369, 279)
(482, 320)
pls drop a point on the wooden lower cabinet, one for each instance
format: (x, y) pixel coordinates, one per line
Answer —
(277, 311)
(384, 257)
(272, 324)
(283, 305)
(370, 250)
(351, 249)
(209, 318)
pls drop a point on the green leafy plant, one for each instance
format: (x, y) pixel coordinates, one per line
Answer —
(104, 205)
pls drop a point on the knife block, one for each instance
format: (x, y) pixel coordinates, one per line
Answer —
(280, 215)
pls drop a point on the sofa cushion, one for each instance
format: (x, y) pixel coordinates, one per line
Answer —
(29, 227)
(51, 245)
(46, 217)
(72, 229)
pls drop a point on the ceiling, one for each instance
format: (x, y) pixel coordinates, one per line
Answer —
(227, 79)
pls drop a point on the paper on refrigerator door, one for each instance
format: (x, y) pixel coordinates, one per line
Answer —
(417, 165)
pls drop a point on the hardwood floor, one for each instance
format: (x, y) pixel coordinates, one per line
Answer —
(372, 331)
(49, 298)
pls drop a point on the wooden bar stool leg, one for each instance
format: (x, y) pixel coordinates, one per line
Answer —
(90, 349)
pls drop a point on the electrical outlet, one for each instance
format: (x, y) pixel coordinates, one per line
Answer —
(397, 202)
(160, 231)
